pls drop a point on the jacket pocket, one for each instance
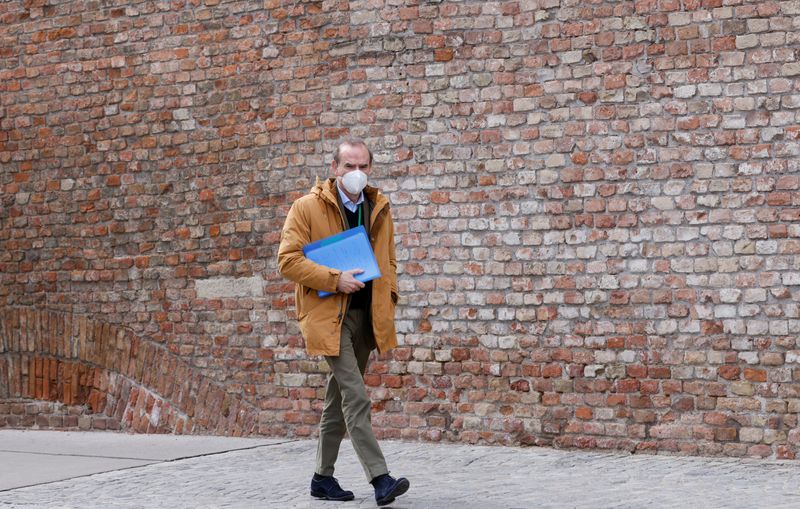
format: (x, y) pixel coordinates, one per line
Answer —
(319, 322)
(309, 301)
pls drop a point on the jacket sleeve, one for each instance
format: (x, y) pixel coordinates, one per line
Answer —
(292, 263)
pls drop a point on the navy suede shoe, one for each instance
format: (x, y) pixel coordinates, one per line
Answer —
(327, 487)
(387, 488)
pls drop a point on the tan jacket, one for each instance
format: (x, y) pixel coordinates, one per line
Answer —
(318, 215)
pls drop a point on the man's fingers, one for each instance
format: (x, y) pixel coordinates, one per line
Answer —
(353, 284)
(348, 283)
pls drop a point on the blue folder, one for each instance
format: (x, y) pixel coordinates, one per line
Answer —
(345, 251)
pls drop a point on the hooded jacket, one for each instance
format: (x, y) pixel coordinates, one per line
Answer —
(318, 215)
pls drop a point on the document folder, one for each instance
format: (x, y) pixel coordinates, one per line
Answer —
(345, 251)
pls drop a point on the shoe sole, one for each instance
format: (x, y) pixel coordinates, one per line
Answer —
(323, 496)
(401, 488)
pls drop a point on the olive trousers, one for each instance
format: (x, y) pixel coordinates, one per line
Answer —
(347, 405)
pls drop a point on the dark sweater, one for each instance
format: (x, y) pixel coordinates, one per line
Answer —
(362, 298)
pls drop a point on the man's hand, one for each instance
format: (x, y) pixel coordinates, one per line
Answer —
(348, 283)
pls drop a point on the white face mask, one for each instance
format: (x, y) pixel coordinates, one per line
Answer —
(354, 181)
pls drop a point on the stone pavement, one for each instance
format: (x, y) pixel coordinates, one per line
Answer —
(255, 473)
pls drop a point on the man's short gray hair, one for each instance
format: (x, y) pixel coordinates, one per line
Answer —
(351, 142)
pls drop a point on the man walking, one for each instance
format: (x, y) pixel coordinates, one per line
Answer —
(346, 326)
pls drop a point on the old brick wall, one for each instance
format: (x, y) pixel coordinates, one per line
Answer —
(597, 210)
(58, 371)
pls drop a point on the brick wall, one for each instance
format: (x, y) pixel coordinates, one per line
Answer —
(101, 376)
(597, 212)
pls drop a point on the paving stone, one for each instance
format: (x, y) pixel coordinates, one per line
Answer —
(443, 476)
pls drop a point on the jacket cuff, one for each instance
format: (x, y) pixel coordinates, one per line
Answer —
(333, 280)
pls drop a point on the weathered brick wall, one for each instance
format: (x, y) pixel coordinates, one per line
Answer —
(108, 377)
(597, 209)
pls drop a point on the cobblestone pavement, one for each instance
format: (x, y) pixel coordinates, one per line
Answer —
(442, 476)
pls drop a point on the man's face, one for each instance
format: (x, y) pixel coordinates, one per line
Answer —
(352, 158)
